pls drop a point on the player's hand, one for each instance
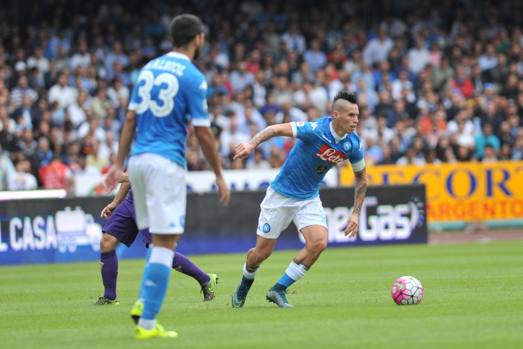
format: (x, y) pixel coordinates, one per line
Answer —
(242, 150)
(108, 210)
(223, 190)
(352, 226)
(113, 177)
(124, 178)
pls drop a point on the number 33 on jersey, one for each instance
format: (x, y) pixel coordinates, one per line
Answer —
(169, 93)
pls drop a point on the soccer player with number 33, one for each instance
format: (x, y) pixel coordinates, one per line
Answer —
(170, 93)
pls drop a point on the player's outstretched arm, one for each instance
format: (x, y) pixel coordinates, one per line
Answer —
(241, 151)
(359, 197)
(118, 198)
(208, 144)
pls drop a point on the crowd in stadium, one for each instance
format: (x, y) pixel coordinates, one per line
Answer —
(442, 84)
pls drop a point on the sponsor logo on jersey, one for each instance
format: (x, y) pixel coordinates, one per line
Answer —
(328, 154)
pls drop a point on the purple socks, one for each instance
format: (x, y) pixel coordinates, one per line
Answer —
(184, 265)
(109, 269)
(109, 264)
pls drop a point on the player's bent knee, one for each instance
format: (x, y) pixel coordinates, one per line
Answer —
(318, 246)
(108, 243)
(262, 254)
(263, 248)
(322, 245)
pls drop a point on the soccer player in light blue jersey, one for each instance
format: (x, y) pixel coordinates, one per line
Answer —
(294, 195)
(169, 94)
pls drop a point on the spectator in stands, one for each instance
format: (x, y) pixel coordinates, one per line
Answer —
(22, 179)
(61, 93)
(484, 138)
(7, 169)
(85, 178)
(70, 84)
(55, 175)
(489, 154)
(378, 48)
(314, 56)
(21, 90)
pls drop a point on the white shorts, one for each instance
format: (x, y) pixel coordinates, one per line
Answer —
(277, 212)
(159, 192)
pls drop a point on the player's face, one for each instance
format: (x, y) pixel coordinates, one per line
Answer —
(348, 117)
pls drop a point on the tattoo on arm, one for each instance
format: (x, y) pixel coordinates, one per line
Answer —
(262, 136)
(360, 190)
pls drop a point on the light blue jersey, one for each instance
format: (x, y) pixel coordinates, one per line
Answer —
(316, 151)
(170, 92)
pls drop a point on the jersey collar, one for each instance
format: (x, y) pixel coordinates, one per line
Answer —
(335, 135)
(178, 55)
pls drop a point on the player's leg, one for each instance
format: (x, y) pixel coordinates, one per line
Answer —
(184, 265)
(159, 198)
(108, 269)
(255, 257)
(207, 282)
(275, 216)
(316, 240)
(156, 278)
(120, 227)
(310, 221)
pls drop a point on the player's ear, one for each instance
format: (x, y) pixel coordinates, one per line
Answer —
(200, 39)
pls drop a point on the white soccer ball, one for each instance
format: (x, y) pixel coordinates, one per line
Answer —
(407, 290)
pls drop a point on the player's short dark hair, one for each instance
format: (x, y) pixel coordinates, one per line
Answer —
(350, 97)
(184, 28)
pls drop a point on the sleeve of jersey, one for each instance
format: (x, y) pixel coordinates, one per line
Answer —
(357, 160)
(197, 103)
(133, 101)
(301, 130)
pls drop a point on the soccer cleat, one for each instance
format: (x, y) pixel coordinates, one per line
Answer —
(137, 310)
(239, 296)
(209, 289)
(157, 332)
(237, 301)
(279, 298)
(106, 301)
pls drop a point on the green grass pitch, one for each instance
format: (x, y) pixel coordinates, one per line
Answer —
(473, 299)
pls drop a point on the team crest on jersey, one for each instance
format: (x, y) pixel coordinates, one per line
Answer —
(328, 154)
(346, 146)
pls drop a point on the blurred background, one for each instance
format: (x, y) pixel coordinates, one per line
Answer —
(438, 82)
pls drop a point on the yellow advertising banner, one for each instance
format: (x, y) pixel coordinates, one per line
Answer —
(468, 192)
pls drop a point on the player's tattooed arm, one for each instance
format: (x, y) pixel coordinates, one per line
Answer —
(359, 197)
(360, 190)
(271, 131)
(241, 151)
